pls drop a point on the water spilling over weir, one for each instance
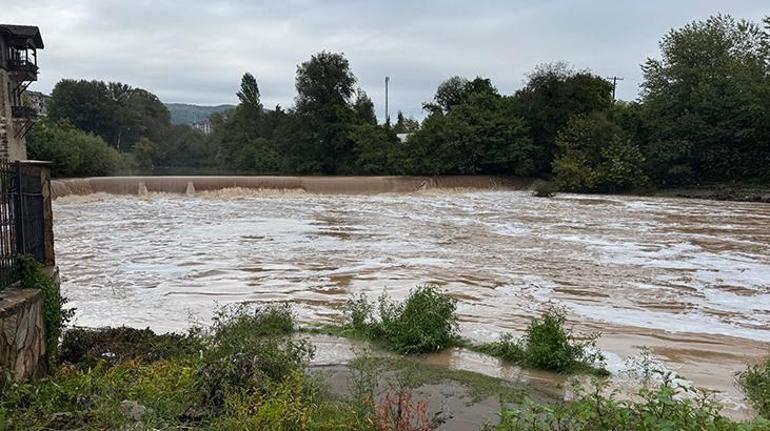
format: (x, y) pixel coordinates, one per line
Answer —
(689, 279)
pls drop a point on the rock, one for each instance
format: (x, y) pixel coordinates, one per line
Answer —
(133, 411)
(61, 420)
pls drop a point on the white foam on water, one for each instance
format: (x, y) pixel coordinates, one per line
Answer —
(656, 264)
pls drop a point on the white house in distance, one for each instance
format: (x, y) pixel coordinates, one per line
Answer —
(18, 69)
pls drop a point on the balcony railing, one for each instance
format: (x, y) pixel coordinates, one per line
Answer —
(22, 65)
(23, 112)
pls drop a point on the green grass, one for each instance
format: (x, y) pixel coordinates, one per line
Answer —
(249, 371)
(411, 373)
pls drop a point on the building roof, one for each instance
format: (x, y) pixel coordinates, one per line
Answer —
(22, 33)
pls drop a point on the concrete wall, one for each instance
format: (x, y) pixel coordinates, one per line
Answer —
(22, 334)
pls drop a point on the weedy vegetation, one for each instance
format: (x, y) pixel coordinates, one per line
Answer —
(549, 345)
(544, 189)
(425, 322)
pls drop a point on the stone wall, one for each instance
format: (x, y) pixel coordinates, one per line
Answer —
(22, 333)
(11, 147)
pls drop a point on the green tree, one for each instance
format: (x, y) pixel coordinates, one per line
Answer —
(74, 152)
(706, 103)
(481, 135)
(594, 155)
(145, 153)
(364, 108)
(456, 90)
(325, 86)
(553, 94)
(374, 149)
(119, 114)
(249, 94)
(405, 125)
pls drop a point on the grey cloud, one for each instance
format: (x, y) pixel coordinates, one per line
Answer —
(195, 51)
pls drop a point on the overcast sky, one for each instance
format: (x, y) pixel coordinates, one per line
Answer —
(195, 51)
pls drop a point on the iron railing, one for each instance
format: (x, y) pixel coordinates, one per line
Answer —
(22, 218)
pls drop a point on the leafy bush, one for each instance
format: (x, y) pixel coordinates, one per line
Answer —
(249, 350)
(89, 398)
(667, 407)
(233, 323)
(87, 347)
(543, 189)
(425, 322)
(547, 345)
(290, 406)
(594, 155)
(755, 383)
(74, 152)
(33, 275)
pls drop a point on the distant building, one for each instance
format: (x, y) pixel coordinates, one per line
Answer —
(39, 101)
(202, 125)
(18, 69)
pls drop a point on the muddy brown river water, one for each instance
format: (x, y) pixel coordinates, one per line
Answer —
(688, 279)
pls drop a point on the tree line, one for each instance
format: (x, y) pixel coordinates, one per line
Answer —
(703, 115)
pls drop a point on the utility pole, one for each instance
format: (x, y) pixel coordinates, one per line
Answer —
(614, 80)
(387, 113)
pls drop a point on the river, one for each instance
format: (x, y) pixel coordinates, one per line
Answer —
(687, 279)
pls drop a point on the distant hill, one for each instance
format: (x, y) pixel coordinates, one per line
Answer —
(183, 113)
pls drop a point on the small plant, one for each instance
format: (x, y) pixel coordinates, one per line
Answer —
(249, 349)
(755, 383)
(398, 412)
(233, 322)
(668, 406)
(424, 322)
(544, 189)
(56, 316)
(548, 345)
(288, 405)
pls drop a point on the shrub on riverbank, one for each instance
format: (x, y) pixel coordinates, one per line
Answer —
(544, 189)
(245, 372)
(88, 347)
(249, 351)
(666, 407)
(548, 345)
(755, 383)
(424, 322)
(55, 315)
(249, 372)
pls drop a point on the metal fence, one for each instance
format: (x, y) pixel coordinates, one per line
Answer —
(22, 223)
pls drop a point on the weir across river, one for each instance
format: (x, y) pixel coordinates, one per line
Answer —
(310, 184)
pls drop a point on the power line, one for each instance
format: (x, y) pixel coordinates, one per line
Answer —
(387, 112)
(614, 80)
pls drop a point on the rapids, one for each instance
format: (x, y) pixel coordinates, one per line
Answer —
(689, 279)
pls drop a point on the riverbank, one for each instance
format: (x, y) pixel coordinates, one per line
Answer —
(253, 369)
(720, 192)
